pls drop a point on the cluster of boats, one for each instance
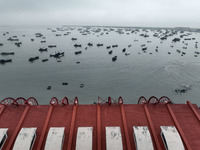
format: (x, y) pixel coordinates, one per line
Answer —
(162, 34)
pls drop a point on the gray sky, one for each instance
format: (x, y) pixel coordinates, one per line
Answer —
(152, 13)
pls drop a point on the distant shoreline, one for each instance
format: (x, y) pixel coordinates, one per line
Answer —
(98, 26)
(110, 26)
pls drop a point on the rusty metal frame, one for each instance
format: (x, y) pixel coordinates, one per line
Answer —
(39, 146)
(14, 135)
(98, 126)
(71, 131)
(194, 110)
(123, 115)
(179, 127)
(155, 137)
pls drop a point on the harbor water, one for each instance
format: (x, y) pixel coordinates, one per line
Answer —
(165, 68)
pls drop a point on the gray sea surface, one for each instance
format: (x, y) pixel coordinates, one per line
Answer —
(138, 73)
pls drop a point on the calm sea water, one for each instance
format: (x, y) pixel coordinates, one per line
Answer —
(138, 74)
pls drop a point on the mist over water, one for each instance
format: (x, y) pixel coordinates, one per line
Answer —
(133, 75)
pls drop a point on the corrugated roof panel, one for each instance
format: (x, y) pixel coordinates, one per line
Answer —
(55, 138)
(25, 139)
(171, 138)
(3, 136)
(113, 138)
(103, 115)
(142, 138)
(84, 138)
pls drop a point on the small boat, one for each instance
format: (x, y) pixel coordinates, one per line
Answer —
(144, 49)
(82, 85)
(44, 60)
(18, 44)
(108, 47)
(178, 51)
(57, 55)
(48, 87)
(114, 58)
(78, 52)
(33, 58)
(110, 52)
(43, 49)
(7, 53)
(64, 83)
(114, 46)
(51, 46)
(183, 53)
(90, 44)
(73, 39)
(77, 45)
(99, 45)
(3, 61)
(127, 54)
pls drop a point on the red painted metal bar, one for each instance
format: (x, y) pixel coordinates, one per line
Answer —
(14, 135)
(194, 110)
(98, 126)
(39, 146)
(71, 131)
(152, 127)
(128, 143)
(2, 107)
(179, 127)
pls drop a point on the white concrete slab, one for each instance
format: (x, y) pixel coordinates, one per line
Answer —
(3, 136)
(171, 138)
(25, 139)
(142, 138)
(55, 138)
(84, 138)
(113, 138)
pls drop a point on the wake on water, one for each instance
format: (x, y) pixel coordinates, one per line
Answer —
(186, 75)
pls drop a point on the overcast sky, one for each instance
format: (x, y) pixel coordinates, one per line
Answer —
(151, 13)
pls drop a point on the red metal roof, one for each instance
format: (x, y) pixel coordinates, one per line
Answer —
(185, 117)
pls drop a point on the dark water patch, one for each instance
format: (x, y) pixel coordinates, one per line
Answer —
(183, 89)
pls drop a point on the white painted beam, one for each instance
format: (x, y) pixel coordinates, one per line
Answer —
(3, 136)
(25, 139)
(142, 138)
(171, 138)
(84, 138)
(55, 138)
(113, 138)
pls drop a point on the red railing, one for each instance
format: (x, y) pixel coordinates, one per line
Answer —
(142, 100)
(19, 101)
(31, 101)
(64, 101)
(8, 101)
(154, 100)
(110, 100)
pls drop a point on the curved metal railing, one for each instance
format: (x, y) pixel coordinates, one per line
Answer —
(155, 100)
(18, 101)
